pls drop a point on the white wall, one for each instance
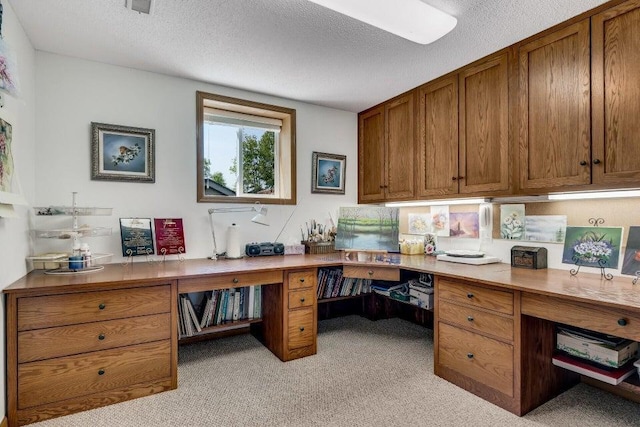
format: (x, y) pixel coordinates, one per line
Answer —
(20, 113)
(72, 93)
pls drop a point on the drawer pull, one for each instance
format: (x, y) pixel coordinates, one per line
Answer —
(101, 337)
(622, 322)
(302, 280)
(101, 372)
(301, 299)
(301, 328)
(102, 306)
(470, 355)
(235, 280)
(370, 272)
(469, 295)
(583, 163)
(470, 318)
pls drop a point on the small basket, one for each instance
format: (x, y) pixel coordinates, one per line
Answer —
(318, 247)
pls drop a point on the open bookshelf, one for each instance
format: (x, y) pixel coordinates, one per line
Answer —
(218, 312)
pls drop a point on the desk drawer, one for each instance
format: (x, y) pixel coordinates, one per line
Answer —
(584, 315)
(483, 359)
(58, 379)
(300, 331)
(303, 298)
(70, 309)
(375, 273)
(226, 281)
(48, 343)
(475, 320)
(475, 295)
(302, 279)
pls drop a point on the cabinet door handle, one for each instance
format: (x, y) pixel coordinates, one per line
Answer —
(470, 355)
(301, 328)
(235, 280)
(382, 186)
(301, 299)
(102, 306)
(469, 295)
(101, 372)
(301, 280)
(470, 318)
(101, 337)
(461, 178)
(622, 322)
(454, 178)
(583, 163)
(596, 161)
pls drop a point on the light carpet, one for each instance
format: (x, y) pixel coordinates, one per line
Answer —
(365, 374)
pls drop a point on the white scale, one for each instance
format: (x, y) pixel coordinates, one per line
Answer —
(467, 257)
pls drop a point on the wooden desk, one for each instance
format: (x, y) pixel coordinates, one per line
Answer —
(60, 359)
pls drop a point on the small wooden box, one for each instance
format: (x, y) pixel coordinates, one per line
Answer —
(528, 257)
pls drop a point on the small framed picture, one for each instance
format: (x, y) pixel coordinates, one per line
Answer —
(122, 153)
(328, 173)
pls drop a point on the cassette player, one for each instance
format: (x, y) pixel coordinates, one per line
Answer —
(264, 249)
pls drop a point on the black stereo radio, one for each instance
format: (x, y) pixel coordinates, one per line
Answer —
(264, 248)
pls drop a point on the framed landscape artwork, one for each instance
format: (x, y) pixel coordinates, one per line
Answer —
(328, 173)
(122, 153)
(368, 228)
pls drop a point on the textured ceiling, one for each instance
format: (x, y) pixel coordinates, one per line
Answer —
(289, 48)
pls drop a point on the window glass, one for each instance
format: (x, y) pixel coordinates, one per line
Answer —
(246, 151)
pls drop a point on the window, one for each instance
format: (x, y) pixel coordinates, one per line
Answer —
(246, 151)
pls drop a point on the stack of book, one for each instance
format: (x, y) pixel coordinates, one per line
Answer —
(332, 284)
(217, 308)
(421, 294)
(603, 357)
(386, 288)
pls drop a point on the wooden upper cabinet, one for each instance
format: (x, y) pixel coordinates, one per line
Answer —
(371, 163)
(615, 68)
(386, 143)
(399, 148)
(484, 126)
(554, 95)
(437, 151)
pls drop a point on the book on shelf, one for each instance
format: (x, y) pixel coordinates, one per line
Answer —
(229, 297)
(610, 376)
(257, 307)
(252, 302)
(332, 284)
(237, 297)
(193, 315)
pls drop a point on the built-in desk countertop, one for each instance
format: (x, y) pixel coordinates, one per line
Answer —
(588, 287)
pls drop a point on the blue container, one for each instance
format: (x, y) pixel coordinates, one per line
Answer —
(75, 263)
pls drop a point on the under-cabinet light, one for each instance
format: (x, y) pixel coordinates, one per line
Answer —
(410, 19)
(594, 195)
(475, 201)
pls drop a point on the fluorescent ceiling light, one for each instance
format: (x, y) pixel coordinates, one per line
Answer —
(475, 201)
(410, 19)
(594, 195)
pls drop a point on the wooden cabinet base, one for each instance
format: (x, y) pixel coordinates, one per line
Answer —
(57, 409)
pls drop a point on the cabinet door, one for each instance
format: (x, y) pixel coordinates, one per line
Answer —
(554, 95)
(437, 140)
(616, 94)
(484, 127)
(399, 148)
(371, 167)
